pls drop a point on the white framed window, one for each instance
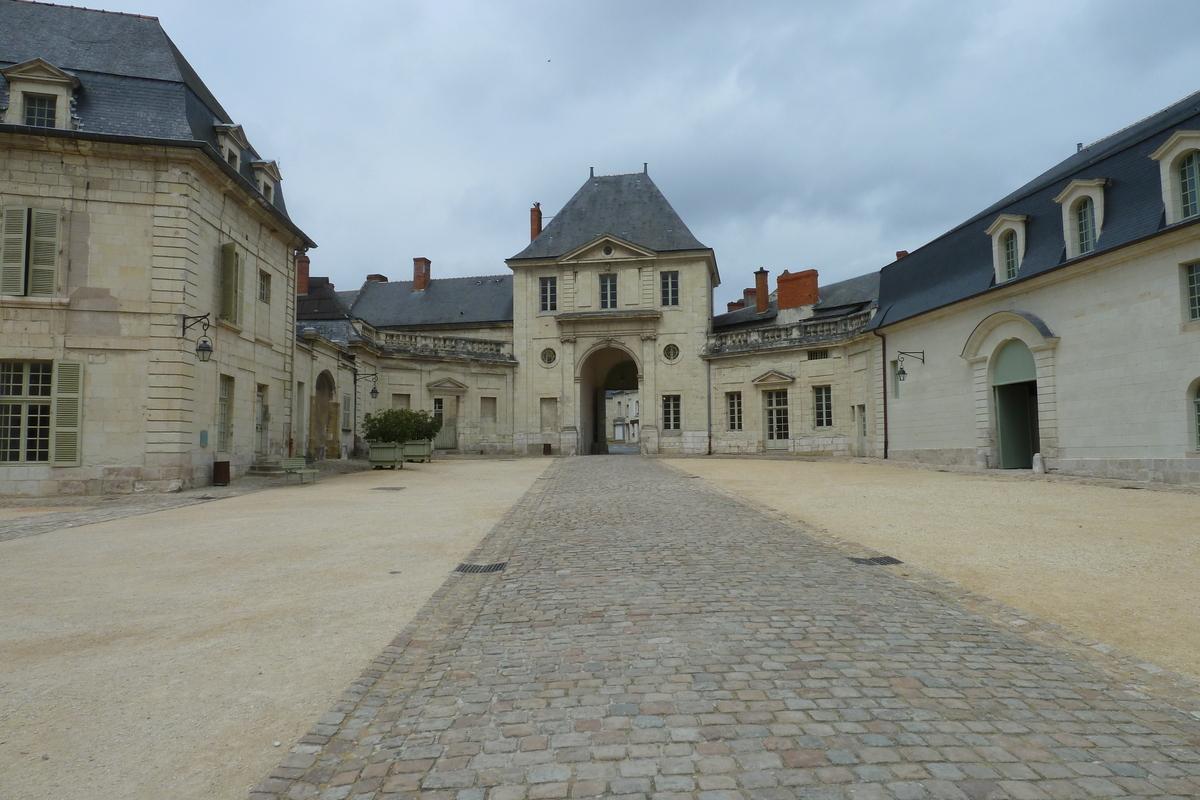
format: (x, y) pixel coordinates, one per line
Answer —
(1191, 292)
(40, 95)
(1179, 175)
(231, 143)
(671, 407)
(669, 283)
(822, 406)
(264, 286)
(29, 252)
(439, 408)
(608, 291)
(267, 177)
(41, 110)
(225, 414)
(733, 405)
(1008, 245)
(775, 403)
(41, 411)
(1082, 203)
(548, 291)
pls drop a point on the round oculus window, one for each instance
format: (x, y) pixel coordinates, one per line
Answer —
(608, 250)
(549, 356)
(671, 352)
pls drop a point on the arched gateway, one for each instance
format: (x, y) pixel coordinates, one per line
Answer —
(605, 369)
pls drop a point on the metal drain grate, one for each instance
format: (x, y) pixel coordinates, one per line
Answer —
(878, 561)
(476, 568)
(388, 488)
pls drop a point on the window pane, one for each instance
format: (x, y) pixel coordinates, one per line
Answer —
(12, 379)
(1085, 224)
(39, 111)
(10, 432)
(1188, 174)
(1011, 266)
(1193, 290)
(39, 378)
(822, 406)
(37, 432)
(670, 288)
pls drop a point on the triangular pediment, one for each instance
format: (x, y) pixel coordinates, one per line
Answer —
(617, 249)
(40, 71)
(446, 385)
(235, 134)
(268, 168)
(773, 378)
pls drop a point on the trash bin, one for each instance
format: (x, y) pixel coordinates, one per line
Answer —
(220, 473)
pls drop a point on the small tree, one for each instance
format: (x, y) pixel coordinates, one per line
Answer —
(393, 425)
(425, 425)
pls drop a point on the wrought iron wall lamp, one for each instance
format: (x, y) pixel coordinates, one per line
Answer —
(204, 348)
(900, 373)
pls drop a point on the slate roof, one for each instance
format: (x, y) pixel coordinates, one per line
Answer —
(836, 299)
(958, 264)
(338, 331)
(321, 302)
(445, 301)
(629, 207)
(134, 81)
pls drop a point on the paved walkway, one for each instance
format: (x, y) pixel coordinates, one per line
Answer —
(653, 637)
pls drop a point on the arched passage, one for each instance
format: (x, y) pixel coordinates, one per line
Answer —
(323, 440)
(1014, 387)
(606, 369)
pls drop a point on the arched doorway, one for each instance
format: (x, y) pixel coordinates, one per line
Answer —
(323, 435)
(1014, 388)
(605, 370)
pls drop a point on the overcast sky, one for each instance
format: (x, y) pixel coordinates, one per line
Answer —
(788, 135)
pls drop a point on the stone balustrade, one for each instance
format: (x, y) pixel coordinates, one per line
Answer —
(805, 332)
(424, 344)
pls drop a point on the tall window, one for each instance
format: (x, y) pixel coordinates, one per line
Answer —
(822, 406)
(439, 408)
(1008, 245)
(608, 291)
(264, 286)
(1085, 225)
(225, 414)
(733, 403)
(1191, 275)
(670, 288)
(25, 410)
(29, 252)
(775, 402)
(231, 283)
(40, 111)
(1189, 185)
(549, 292)
(671, 406)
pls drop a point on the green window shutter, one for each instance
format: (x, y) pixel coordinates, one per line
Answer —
(229, 258)
(68, 414)
(43, 254)
(238, 300)
(12, 252)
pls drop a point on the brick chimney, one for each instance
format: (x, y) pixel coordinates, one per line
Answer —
(901, 254)
(535, 221)
(747, 297)
(377, 278)
(761, 295)
(420, 274)
(302, 274)
(737, 305)
(798, 289)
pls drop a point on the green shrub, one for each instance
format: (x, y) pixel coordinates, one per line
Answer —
(400, 425)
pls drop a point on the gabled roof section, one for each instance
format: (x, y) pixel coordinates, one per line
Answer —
(39, 70)
(958, 264)
(594, 250)
(445, 301)
(629, 207)
(321, 302)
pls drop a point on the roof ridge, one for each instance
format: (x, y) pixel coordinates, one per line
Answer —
(1146, 118)
(82, 8)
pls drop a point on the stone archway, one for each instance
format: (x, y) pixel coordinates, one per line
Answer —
(323, 435)
(605, 369)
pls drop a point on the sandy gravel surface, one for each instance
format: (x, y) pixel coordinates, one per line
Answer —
(1119, 566)
(162, 655)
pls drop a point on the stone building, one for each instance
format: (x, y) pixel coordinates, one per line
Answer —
(138, 222)
(1064, 320)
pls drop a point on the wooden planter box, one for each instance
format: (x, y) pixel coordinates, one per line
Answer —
(418, 450)
(385, 454)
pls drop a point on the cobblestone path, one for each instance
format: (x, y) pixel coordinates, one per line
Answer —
(652, 637)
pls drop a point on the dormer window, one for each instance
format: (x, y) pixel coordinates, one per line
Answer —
(40, 95)
(1179, 175)
(266, 174)
(231, 141)
(1008, 245)
(1082, 204)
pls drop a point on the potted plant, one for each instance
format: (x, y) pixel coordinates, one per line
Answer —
(419, 446)
(385, 432)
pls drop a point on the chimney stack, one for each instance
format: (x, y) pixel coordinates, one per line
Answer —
(302, 274)
(747, 297)
(797, 289)
(761, 299)
(737, 305)
(377, 278)
(535, 221)
(420, 274)
(901, 254)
